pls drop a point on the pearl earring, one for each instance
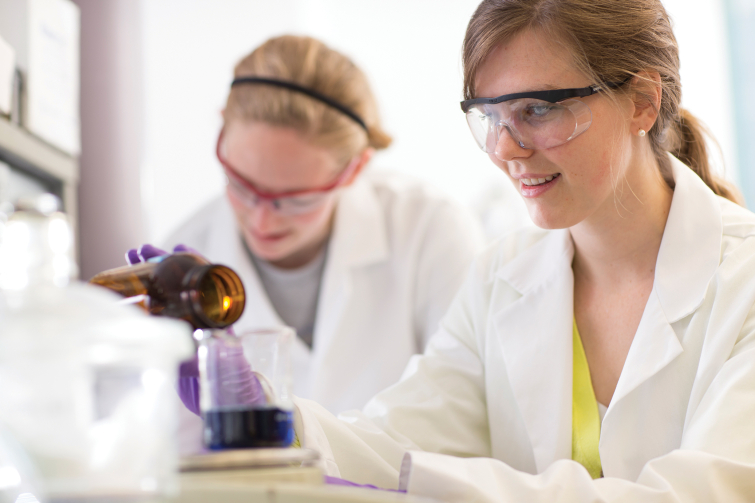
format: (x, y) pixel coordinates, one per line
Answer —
(641, 132)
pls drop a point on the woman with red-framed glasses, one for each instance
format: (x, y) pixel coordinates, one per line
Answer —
(362, 264)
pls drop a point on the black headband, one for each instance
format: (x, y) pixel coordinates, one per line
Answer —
(309, 92)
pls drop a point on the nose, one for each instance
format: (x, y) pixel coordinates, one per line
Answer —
(508, 147)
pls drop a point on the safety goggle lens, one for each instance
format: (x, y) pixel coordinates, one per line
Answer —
(533, 124)
(294, 205)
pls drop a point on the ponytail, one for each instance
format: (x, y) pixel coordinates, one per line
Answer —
(377, 138)
(690, 148)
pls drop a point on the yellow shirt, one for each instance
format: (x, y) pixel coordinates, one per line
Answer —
(585, 413)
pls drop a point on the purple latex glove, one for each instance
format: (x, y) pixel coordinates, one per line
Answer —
(147, 251)
(188, 384)
(335, 481)
(231, 378)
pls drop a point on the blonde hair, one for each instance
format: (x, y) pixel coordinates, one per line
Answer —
(611, 40)
(311, 64)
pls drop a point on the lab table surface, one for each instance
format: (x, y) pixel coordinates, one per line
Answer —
(288, 493)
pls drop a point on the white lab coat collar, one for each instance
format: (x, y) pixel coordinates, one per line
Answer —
(695, 216)
(359, 232)
(359, 239)
(535, 331)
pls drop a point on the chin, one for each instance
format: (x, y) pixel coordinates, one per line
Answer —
(269, 252)
(271, 255)
(549, 219)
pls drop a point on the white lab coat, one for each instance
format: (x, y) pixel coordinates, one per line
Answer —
(398, 253)
(495, 382)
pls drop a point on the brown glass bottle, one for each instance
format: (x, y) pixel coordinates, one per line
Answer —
(182, 285)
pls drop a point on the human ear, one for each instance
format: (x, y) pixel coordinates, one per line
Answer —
(646, 92)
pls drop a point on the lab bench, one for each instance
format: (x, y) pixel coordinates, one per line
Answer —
(288, 493)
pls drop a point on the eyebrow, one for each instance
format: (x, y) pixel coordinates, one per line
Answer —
(545, 87)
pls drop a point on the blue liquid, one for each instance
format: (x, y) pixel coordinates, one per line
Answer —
(241, 428)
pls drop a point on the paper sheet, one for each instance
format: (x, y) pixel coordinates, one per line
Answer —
(53, 74)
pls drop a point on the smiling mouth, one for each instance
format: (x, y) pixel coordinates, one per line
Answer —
(532, 182)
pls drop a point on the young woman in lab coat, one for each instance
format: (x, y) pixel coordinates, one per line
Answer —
(609, 356)
(362, 264)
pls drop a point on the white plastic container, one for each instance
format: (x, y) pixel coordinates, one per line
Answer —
(87, 386)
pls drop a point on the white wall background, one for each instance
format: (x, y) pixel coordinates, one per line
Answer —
(410, 50)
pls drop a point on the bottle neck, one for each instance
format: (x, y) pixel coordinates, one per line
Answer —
(214, 295)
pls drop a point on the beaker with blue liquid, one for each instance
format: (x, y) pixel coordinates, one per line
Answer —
(245, 388)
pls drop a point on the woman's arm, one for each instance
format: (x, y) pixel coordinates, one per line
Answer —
(438, 406)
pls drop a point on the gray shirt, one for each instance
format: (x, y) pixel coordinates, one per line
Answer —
(293, 292)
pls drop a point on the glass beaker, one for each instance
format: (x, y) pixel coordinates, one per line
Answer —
(245, 388)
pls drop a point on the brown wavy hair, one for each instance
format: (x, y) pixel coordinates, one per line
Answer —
(611, 40)
(310, 63)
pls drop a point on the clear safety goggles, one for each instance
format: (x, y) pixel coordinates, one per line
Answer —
(285, 203)
(535, 120)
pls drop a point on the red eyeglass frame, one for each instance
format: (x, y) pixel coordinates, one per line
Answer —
(270, 196)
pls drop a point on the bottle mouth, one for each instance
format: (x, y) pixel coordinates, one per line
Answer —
(215, 295)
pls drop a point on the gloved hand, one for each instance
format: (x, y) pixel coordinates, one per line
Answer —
(147, 251)
(232, 380)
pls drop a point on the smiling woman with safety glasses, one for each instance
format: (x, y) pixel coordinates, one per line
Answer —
(608, 356)
(362, 264)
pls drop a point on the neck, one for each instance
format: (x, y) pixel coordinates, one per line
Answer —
(624, 236)
(301, 257)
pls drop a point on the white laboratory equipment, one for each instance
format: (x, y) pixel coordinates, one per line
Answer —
(19, 480)
(86, 385)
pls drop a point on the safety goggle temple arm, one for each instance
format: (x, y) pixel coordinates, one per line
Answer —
(551, 95)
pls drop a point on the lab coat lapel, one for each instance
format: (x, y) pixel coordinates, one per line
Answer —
(694, 223)
(359, 239)
(535, 334)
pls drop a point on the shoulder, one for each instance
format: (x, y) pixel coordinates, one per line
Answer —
(394, 187)
(409, 201)
(195, 230)
(738, 231)
(738, 222)
(730, 295)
